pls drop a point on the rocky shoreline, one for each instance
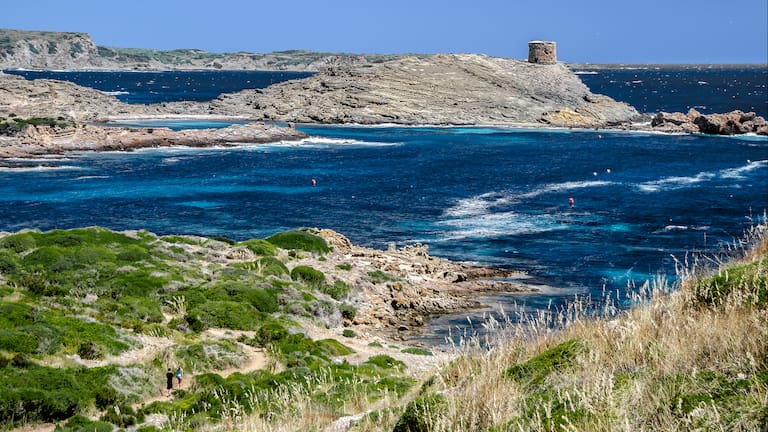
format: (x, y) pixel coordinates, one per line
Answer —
(423, 285)
(37, 141)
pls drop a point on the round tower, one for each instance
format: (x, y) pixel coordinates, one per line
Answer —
(542, 52)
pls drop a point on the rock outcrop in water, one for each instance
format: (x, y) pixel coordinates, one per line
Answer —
(441, 89)
(732, 123)
(46, 140)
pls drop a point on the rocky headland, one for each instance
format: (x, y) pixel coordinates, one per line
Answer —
(456, 89)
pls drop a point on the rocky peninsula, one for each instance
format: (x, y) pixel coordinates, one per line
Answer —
(456, 89)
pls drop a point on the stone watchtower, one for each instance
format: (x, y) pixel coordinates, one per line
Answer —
(542, 52)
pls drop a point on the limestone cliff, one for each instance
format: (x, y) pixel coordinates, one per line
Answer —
(46, 50)
(441, 89)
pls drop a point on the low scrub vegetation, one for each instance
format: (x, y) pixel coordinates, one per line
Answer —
(692, 355)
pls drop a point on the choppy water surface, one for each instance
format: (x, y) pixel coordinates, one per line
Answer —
(489, 195)
(493, 196)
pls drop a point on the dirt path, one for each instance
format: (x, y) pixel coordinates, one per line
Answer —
(255, 359)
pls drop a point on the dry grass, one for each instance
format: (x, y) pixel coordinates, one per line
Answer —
(672, 362)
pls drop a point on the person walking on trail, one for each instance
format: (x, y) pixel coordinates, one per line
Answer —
(179, 375)
(169, 381)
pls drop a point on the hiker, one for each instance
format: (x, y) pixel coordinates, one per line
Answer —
(179, 374)
(169, 381)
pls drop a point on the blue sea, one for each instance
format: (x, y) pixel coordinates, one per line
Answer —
(497, 196)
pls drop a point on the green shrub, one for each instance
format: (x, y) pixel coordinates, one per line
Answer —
(226, 314)
(223, 239)
(105, 396)
(80, 423)
(269, 333)
(383, 361)
(18, 342)
(47, 257)
(133, 253)
(748, 279)
(537, 368)
(144, 309)
(272, 266)
(417, 351)
(309, 276)
(378, 276)
(348, 333)
(334, 347)
(347, 311)
(338, 291)
(344, 266)
(18, 242)
(8, 262)
(299, 239)
(260, 247)
(218, 355)
(261, 299)
(422, 414)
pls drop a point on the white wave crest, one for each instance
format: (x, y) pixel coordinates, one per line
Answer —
(484, 203)
(565, 186)
(340, 142)
(670, 183)
(478, 205)
(585, 73)
(497, 225)
(116, 93)
(738, 173)
(91, 177)
(39, 168)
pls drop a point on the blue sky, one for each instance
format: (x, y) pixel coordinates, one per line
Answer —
(587, 31)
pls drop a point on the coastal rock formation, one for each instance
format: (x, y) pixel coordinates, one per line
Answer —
(44, 140)
(732, 123)
(441, 89)
(53, 98)
(417, 285)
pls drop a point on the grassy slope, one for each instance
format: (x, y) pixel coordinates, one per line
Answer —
(694, 357)
(90, 319)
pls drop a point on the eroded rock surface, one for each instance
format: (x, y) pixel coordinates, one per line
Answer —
(44, 140)
(463, 89)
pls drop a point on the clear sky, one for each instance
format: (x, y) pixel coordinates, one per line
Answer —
(586, 31)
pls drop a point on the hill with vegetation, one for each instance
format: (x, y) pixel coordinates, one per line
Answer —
(24, 49)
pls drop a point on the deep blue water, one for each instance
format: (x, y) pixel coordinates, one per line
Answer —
(490, 195)
(708, 89)
(156, 87)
